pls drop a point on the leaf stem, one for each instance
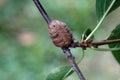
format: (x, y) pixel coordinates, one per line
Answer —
(101, 20)
(104, 49)
(70, 70)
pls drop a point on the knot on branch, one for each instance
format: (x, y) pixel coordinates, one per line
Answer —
(83, 44)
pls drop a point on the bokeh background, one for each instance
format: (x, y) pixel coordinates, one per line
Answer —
(27, 52)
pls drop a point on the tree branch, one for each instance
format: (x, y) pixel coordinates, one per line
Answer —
(73, 63)
(42, 11)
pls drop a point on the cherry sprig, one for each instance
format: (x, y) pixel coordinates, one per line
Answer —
(88, 43)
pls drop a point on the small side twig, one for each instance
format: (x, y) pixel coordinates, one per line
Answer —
(89, 43)
(104, 42)
(73, 63)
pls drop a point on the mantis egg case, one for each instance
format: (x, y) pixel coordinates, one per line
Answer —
(60, 33)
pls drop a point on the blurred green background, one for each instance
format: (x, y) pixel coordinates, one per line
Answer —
(27, 52)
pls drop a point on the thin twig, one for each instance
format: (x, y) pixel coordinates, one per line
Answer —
(73, 63)
(87, 44)
(104, 42)
(42, 11)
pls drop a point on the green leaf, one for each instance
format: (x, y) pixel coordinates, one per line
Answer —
(86, 34)
(115, 35)
(103, 8)
(59, 73)
(103, 5)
